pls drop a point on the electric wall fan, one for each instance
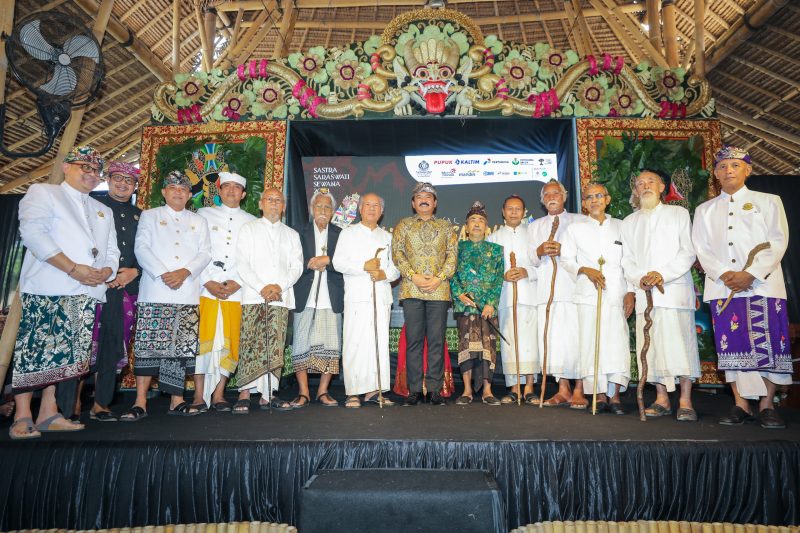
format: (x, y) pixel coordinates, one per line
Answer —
(57, 58)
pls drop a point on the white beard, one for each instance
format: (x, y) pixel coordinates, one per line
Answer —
(649, 201)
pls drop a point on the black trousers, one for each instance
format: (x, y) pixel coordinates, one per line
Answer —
(425, 318)
(111, 348)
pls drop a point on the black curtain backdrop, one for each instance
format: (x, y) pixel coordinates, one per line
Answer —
(11, 249)
(786, 187)
(419, 136)
(88, 485)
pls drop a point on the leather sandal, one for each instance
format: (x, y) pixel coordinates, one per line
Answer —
(134, 414)
(556, 401)
(30, 430)
(54, 425)
(103, 416)
(509, 398)
(241, 407)
(352, 402)
(183, 409)
(464, 400)
(656, 410)
(331, 400)
(300, 401)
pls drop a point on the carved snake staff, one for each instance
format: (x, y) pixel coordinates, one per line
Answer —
(552, 236)
(513, 260)
(375, 323)
(648, 323)
(750, 258)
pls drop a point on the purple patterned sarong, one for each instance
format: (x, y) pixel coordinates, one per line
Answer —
(752, 334)
(128, 322)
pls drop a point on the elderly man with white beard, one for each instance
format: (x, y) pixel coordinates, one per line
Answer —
(658, 254)
(563, 361)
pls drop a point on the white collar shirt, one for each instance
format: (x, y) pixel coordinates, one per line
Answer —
(166, 241)
(224, 224)
(356, 245)
(538, 232)
(516, 240)
(728, 227)
(320, 279)
(59, 219)
(660, 240)
(268, 253)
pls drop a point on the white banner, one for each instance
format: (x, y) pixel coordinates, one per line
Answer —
(481, 168)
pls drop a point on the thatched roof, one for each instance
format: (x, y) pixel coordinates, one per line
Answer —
(753, 60)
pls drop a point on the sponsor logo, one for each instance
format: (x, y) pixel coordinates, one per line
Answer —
(443, 162)
(467, 161)
(488, 173)
(423, 165)
(515, 161)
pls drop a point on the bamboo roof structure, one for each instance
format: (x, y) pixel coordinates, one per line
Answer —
(750, 55)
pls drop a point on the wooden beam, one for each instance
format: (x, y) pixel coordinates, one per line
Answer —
(124, 35)
(205, 48)
(654, 23)
(788, 81)
(542, 22)
(619, 28)
(131, 10)
(152, 22)
(774, 53)
(755, 17)
(285, 30)
(76, 116)
(670, 32)
(176, 36)
(761, 128)
(579, 27)
(771, 28)
(732, 4)
(255, 35)
(699, 39)
(742, 105)
(250, 33)
(777, 98)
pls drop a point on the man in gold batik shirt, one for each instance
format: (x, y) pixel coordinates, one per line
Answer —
(425, 250)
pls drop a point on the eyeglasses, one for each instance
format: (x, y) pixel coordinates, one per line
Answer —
(598, 196)
(119, 178)
(89, 169)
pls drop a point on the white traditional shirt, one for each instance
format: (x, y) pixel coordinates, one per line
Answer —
(168, 240)
(516, 240)
(268, 253)
(727, 227)
(538, 232)
(356, 245)
(57, 219)
(584, 243)
(660, 240)
(224, 224)
(324, 300)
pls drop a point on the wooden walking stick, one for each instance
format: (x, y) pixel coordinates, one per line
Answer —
(648, 323)
(269, 363)
(513, 260)
(552, 236)
(750, 258)
(375, 324)
(600, 262)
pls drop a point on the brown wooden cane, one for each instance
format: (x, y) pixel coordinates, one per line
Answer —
(750, 258)
(375, 323)
(648, 323)
(552, 236)
(513, 260)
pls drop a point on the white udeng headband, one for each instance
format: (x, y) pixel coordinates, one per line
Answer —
(225, 177)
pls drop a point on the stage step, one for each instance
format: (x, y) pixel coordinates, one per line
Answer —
(650, 526)
(403, 500)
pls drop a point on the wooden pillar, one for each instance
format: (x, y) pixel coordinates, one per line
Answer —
(176, 36)
(654, 23)
(670, 32)
(205, 64)
(9, 335)
(76, 117)
(211, 34)
(699, 39)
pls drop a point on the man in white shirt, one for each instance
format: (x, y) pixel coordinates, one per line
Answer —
(366, 276)
(317, 342)
(563, 361)
(173, 248)
(657, 252)
(585, 243)
(221, 299)
(270, 260)
(513, 237)
(71, 254)
(752, 332)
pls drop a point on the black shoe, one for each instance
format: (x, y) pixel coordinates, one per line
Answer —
(413, 398)
(736, 417)
(770, 419)
(436, 399)
(602, 407)
(616, 408)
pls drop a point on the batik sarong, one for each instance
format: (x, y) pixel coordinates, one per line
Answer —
(113, 326)
(263, 340)
(317, 342)
(166, 343)
(477, 347)
(54, 340)
(752, 333)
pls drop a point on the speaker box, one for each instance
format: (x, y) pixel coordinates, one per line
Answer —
(385, 500)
